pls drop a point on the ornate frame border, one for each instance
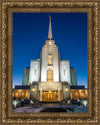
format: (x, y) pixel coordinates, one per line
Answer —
(7, 117)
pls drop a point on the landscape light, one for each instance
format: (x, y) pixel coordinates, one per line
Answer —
(15, 103)
(33, 89)
(66, 89)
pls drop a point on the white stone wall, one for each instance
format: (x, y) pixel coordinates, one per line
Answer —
(66, 91)
(34, 94)
(65, 65)
(53, 86)
(44, 62)
(35, 65)
(55, 60)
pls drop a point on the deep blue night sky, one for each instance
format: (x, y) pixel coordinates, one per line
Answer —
(30, 31)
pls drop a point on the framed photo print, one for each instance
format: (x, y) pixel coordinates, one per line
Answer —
(49, 62)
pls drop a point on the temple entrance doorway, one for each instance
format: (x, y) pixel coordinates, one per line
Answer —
(50, 96)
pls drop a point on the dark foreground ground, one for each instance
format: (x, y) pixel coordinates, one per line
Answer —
(50, 108)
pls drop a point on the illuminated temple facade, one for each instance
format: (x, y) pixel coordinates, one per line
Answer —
(50, 78)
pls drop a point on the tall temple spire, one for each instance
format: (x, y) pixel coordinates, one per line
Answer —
(50, 29)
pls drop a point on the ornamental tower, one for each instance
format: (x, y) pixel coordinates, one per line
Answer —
(50, 59)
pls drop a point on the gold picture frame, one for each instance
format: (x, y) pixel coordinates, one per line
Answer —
(7, 116)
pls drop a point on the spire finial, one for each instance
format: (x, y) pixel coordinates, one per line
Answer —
(49, 17)
(50, 29)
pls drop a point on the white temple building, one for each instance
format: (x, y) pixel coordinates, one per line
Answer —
(49, 77)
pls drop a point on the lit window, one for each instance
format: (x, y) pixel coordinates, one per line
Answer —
(49, 50)
(49, 60)
(50, 75)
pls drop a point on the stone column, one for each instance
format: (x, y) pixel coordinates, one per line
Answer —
(41, 94)
(58, 94)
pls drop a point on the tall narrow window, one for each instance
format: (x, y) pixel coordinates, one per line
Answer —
(28, 74)
(28, 78)
(64, 72)
(49, 60)
(35, 72)
(49, 75)
(49, 50)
